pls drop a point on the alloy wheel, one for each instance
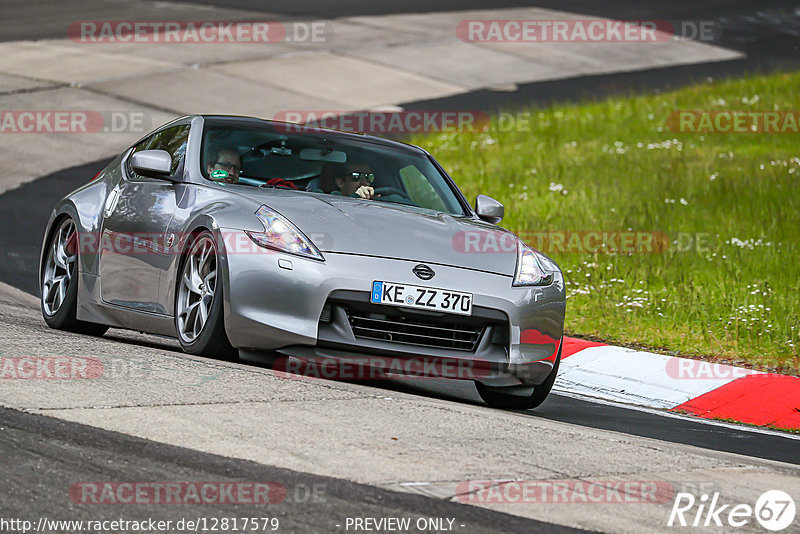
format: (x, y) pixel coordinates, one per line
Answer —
(61, 257)
(197, 288)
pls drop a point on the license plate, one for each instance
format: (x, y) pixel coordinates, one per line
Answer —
(423, 298)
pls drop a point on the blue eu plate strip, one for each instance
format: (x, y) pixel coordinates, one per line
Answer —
(377, 290)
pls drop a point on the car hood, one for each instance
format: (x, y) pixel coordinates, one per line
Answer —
(374, 228)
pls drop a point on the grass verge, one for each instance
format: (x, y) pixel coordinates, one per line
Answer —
(722, 212)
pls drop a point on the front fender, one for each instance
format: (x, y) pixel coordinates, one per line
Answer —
(85, 207)
(206, 208)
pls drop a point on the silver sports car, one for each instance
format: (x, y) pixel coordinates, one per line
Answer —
(284, 243)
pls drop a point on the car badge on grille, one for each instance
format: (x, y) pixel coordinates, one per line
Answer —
(423, 272)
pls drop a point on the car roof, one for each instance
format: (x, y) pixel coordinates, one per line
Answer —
(340, 134)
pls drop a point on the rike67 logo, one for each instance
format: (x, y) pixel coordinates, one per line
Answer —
(774, 510)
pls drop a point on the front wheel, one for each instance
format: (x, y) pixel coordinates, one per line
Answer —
(495, 397)
(59, 283)
(199, 319)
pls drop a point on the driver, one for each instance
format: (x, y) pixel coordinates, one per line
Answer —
(352, 179)
(357, 181)
(226, 166)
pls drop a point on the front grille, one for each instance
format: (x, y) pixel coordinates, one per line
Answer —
(418, 331)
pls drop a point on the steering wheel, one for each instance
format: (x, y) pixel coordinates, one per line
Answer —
(386, 191)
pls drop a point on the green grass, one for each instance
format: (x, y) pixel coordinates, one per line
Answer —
(618, 167)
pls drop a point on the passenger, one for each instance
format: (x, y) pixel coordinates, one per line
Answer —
(227, 160)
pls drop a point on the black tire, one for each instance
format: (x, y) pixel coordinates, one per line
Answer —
(211, 341)
(495, 397)
(63, 316)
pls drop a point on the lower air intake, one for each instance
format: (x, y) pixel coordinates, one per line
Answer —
(415, 331)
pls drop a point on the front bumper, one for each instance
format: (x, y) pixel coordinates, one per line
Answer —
(278, 307)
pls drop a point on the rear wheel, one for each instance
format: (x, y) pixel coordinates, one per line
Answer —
(199, 319)
(59, 283)
(497, 398)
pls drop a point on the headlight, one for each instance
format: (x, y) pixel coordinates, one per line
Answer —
(529, 268)
(280, 234)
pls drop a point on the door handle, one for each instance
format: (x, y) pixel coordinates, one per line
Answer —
(111, 203)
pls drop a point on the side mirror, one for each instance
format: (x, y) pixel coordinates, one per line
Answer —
(156, 163)
(489, 209)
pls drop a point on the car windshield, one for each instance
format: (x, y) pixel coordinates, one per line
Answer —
(318, 162)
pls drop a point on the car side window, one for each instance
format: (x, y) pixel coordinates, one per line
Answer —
(173, 140)
(420, 189)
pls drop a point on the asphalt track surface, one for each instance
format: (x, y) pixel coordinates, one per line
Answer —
(36, 478)
(44, 457)
(768, 32)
